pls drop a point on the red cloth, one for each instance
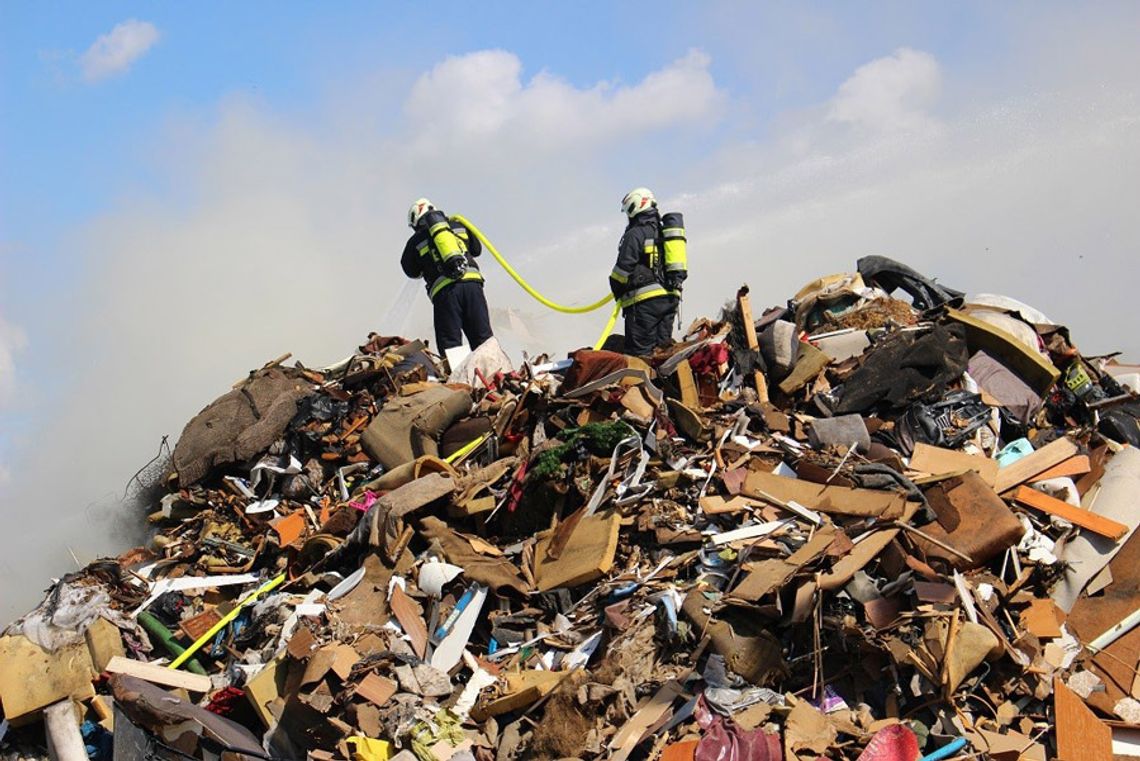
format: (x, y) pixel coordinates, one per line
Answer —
(709, 359)
(222, 703)
(723, 740)
(893, 743)
(590, 365)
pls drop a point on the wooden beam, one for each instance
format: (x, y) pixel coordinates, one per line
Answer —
(1020, 471)
(1074, 466)
(156, 674)
(1097, 524)
(753, 342)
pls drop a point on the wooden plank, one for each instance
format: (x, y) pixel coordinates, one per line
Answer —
(763, 578)
(1098, 524)
(688, 385)
(745, 304)
(1027, 467)
(1074, 466)
(156, 674)
(835, 500)
(766, 576)
(939, 461)
(862, 554)
(1081, 736)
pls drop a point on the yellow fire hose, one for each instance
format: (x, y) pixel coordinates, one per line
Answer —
(226, 619)
(538, 296)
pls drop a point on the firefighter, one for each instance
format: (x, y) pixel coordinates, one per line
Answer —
(650, 271)
(443, 253)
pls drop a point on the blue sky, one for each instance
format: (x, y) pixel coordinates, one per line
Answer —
(68, 145)
(233, 184)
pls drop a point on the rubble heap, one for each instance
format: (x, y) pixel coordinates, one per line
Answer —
(858, 527)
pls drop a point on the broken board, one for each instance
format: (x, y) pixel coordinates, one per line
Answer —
(408, 614)
(1020, 471)
(809, 364)
(523, 689)
(587, 556)
(835, 500)
(938, 461)
(376, 689)
(265, 691)
(1081, 736)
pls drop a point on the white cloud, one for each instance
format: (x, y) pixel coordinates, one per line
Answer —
(891, 93)
(12, 340)
(481, 96)
(114, 52)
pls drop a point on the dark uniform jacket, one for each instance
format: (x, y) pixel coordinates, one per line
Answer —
(638, 274)
(421, 259)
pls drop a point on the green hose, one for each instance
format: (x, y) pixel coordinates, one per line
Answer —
(155, 628)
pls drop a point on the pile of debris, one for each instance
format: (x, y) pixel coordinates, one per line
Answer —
(858, 527)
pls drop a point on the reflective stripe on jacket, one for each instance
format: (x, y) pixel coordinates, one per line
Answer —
(638, 273)
(421, 258)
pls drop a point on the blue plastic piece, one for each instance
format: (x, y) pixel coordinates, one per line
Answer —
(1014, 451)
(452, 617)
(622, 592)
(946, 751)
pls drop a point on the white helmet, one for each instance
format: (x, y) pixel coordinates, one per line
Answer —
(637, 201)
(419, 208)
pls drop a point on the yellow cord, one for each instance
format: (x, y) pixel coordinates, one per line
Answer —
(538, 296)
(608, 329)
(519, 279)
(251, 597)
(466, 449)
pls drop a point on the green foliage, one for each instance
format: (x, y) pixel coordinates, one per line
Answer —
(596, 438)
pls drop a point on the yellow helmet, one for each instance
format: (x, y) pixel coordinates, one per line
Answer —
(637, 201)
(419, 208)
